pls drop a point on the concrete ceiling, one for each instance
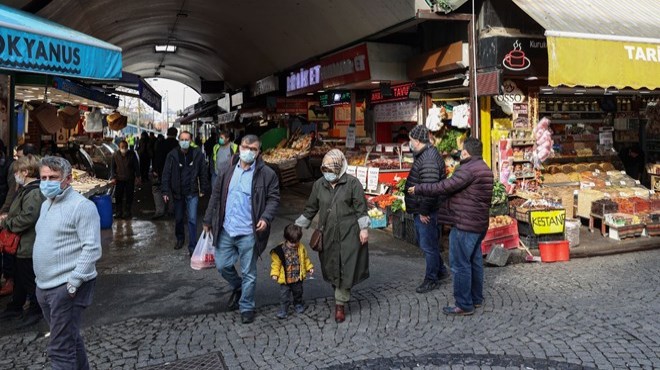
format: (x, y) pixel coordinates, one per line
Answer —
(239, 41)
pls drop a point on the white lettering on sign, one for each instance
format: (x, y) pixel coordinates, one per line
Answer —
(303, 78)
(512, 94)
(344, 67)
(643, 54)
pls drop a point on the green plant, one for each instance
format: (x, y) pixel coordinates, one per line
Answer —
(397, 205)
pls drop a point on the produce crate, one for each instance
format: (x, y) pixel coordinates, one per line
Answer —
(503, 231)
(378, 223)
(653, 229)
(532, 241)
(508, 242)
(625, 232)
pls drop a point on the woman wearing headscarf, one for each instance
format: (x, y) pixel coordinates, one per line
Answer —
(338, 199)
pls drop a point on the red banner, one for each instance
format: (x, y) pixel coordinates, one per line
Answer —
(345, 67)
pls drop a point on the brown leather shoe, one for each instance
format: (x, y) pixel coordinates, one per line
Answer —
(340, 315)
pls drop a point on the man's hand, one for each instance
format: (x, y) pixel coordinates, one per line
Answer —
(311, 271)
(411, 190)
(166, 198)
(274, 277)
(201, 195)
(425, 219)
(261, 225)
(207, 228)
(113, 181)
(364, 236)
(3, 217)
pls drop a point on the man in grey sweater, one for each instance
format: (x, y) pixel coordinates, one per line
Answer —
(66, 248)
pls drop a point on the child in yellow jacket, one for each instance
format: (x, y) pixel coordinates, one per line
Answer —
(289, 267)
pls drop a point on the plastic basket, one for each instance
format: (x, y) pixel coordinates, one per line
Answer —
(508, 242)
(378, 223)
(557, 251)
(503, 231)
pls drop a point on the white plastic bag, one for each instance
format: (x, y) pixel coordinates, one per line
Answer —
(204, 255)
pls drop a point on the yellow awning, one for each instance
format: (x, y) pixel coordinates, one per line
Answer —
(604, 43)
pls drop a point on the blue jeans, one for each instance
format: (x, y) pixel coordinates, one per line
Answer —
(229, 251)
(182, 207)
(428, 237)
(467, 267)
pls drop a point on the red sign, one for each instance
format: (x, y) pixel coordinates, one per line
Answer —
(399, 92)
(291, 106)
(345, 67)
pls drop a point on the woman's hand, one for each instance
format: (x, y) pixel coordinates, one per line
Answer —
(364, 236)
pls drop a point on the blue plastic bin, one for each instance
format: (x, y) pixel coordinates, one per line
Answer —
(104, 207)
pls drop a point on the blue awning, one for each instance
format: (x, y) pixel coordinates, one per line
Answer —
(32, 44)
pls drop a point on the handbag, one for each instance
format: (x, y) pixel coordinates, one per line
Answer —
(316, 241)
(9, 242)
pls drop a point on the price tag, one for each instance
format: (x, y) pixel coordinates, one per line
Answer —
(372, 179)
(350, 137)
(607, 183)
(362, 175)
(351, 170)
(638, 182)
(379, 147)
(623, 183)
(405, 148)
(389, 149)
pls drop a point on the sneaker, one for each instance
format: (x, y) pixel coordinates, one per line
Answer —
(179, 244)
(456, 311)
(281, 313)
(232, 305)
(300, 308)
(427, 286)
(247, 317)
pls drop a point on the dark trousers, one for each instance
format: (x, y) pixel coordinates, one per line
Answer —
(428, 237)
(186, 206)
(24, 286)
(63, 314)
(145, 160)
(287, 290)
(124, 194)
(7, 267)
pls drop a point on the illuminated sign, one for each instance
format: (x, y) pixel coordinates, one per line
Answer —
(305, 78)
(334, 98)
(399, 92)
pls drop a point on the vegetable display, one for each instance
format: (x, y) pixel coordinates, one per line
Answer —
(449, 141)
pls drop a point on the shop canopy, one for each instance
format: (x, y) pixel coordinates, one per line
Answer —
(32, 44)
(605, 43)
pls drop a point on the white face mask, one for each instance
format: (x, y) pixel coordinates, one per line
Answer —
(123, 151)
(19, 180)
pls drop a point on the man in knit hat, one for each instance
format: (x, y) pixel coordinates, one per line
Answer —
(428, 168)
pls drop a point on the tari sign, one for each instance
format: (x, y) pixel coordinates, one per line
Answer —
(399, 92)
(548, 222)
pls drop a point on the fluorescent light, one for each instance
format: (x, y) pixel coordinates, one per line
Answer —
(321, 91)
(579, 93)
(644, 92)
(548, 93)
(165, 48)
(375, 82)
(531, 78)
(310, 93)
(444, 80)
(546, 89)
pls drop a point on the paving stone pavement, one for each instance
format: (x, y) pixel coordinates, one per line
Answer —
(590, 313)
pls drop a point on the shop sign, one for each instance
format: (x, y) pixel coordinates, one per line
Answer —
(345, 67)
(150, 96)
(399, 92)
(224, 103)
(304, 80)
(515, 56)
(548, 222)
(266, 85)
(290, 106)
(402, 111)
(237, 99)
(512, 95)
(84, 92)
(227, 117)
(331, 99)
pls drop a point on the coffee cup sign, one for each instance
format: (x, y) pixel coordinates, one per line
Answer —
(512, 94)
(515, 60)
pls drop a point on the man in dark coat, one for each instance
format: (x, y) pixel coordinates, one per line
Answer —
(470, 190)
(428, 168)
(125, 174)
(184, 181)
(240, 214)
(162, 148)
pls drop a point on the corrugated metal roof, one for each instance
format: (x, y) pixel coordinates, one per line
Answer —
(617, 19)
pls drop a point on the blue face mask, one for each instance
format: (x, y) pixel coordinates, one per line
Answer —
(50, 189)
(248, 156)
(184, 144)
(330, 176)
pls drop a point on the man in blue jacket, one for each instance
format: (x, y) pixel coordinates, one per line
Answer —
(184, 181)
(470, 190)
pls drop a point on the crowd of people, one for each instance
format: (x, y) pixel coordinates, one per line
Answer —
(51, 273)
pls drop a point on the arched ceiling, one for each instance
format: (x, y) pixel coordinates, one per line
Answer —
(239, 41)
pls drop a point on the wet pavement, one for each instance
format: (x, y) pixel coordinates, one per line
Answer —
(152, 310)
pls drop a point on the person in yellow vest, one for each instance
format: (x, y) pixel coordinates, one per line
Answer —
(131, 141)
(222, 153)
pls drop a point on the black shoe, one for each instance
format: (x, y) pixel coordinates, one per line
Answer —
(232, 305)
(427, 286)
(179, 244)
(29, 320)
(444, 276)
(247, 317)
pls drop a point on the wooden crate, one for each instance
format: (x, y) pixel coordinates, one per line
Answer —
(288, 177)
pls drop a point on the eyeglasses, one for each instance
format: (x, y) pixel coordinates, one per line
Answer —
(251, 148)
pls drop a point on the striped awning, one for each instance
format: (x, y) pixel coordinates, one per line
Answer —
(605, 43)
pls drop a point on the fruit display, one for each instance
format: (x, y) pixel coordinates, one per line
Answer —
(384, 200)
(88, 185)
(375, 213)
(302, 143)
(277, 156)
(356, 160)
(385, 163)
(499, 221)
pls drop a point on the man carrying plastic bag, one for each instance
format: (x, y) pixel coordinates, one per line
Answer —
(203, 256)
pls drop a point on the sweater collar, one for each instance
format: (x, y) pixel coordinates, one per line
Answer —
(64, 194)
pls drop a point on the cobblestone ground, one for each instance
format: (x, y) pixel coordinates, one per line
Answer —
(590, 313)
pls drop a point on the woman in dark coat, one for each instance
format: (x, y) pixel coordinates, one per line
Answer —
(345, 256)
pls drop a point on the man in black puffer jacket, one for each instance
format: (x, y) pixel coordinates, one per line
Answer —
(470, 190)
(428, 168)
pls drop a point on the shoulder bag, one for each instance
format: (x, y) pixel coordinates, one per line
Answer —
(316, 241)
(9, 242)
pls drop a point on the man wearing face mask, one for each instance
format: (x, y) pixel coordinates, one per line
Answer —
(240, 213)
(469, 190)
(428, 168)
(66, 248)
(184, 181)
(222, 153)
(125, 174)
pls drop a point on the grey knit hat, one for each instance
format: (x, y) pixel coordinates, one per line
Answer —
(420, 133)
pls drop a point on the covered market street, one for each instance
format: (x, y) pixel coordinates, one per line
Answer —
(151, 309)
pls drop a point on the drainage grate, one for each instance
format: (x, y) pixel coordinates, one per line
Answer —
(211, 361)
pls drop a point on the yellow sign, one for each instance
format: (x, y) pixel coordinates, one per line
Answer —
(604, 63)
(548, 222)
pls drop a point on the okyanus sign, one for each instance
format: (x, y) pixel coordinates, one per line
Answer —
(31, 44)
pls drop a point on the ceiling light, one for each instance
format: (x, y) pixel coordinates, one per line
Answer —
(546, 89)
(321, 91)
(579, 93)
(310, 93)
(375, 82)
(644, 92)
(165, 48)
(531, 78)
